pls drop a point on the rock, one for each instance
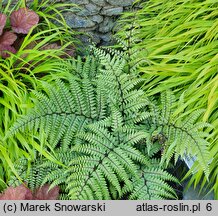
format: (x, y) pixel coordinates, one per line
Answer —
(95, 38)
(78, 22)
(97, 18)
(122, 3)
(106, 26)
(89, 38)
(111, 11)
(92, 17)
(87, 30)
(106, 37)
(79, 2)
(84, 12)
(93, 8)
(89, 10)
(99, 2)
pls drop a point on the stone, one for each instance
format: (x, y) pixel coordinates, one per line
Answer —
(106, 37)
(93, 8)
(87, 30)
(107, 25)
(84, 12)
(78, 22)
(99, 2)
(112, 11)
(97, 18)
(79, 2)
(89, 10)
(95, 38)
(89, 38)
(122, 3)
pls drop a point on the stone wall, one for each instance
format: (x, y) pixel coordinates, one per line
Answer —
(97, 17)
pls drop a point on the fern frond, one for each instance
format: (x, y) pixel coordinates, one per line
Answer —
(107, 133)
(183, 138)
(152, 185)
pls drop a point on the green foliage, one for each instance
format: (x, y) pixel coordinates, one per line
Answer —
(20, 72)
(179, 41)
(46, 43)
(110, 132)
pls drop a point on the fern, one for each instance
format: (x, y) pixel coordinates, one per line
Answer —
(107, 133)
(182, 138)
(37, 172)
(153, 181)
(110, 156)
(177, 138)
(30, 172)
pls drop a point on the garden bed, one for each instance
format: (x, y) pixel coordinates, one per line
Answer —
(126, 121)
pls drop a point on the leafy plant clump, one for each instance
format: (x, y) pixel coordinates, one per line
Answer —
(179, 41)
(91, 129)
(38, 53)
(107, 135)
(23, 193)
(22, 20)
